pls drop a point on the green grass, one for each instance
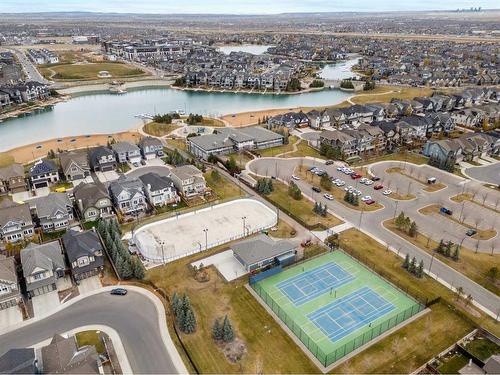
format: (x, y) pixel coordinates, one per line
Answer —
(224, 188)
(158, 130)
(453, 364)
(89, 71)
(90, 338)
(482, 348)
(273, 151)
(296, 316)
(303, 149)
(409, 157)
(177, 143)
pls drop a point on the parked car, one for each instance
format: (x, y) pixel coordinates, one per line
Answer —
(375, 178)
(368, 182)
(143, 162)
(431, 180)
(366, 198)
(371, 201)
(316, 189)
(471, 232)
(378, 187)
(135, 164)
(118, 291)
(328, 196)
(329, 162)
(387, 192)
(355, 176)
(296, 178)
(446, 211)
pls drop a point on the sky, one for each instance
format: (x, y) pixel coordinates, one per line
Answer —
(235, 6)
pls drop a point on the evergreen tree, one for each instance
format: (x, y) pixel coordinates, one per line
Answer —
(116, 226)
(180, 319)
(407, 223)
(400, 220)
(315, 208)
(127, 271)
(447, 250)
(355, 200)
(456, 253)
(440, 248)
(413, 265)
(227, 330)
(101, 227)
(113, 251)
(138, 268)
(189, 321)
(324, 211)
(412, 231)
(119, 265)
(217, 330)
(406, 262)
(108, 241)
(346, 197)
(420, 269)
(270, 185)
(175, 303)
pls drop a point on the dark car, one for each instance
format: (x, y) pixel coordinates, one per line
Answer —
(378, 187)
(370, 201)
(143, 162)
(375, 178)
(316, 189)
(446, 211)
(329, 162)
(471, 232)
(118, 292)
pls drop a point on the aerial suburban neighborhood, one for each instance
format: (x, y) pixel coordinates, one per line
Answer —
(309, 187)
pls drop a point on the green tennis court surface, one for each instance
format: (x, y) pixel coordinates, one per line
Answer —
(334, 305)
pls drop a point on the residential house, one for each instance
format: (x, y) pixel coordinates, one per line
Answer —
(53, 212)
(102, 159)
(62, 356)
(10, 292)
(15, 222)
(12, 179)
(92, 201)
(43, 173)
(42, 265)
(128, 195)
(151, 148)
(126, 152)
(315, 119)
(160, 190)
(75, 165)
(391, 134)
(188, 180)
(346, 143)
(85, 253)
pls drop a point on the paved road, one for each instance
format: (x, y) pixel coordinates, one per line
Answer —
(371, 222)
(488, 173)
(31, 72)
(133, 316)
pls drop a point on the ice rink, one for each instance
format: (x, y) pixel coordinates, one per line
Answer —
(196, 231)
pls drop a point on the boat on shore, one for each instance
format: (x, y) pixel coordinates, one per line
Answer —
(144, 116)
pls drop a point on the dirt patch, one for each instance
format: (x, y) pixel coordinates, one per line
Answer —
(234, 350)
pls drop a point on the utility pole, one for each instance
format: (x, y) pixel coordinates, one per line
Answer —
(206, 238)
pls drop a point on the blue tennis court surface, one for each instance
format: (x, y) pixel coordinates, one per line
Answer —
(313, 283)
(349, 313)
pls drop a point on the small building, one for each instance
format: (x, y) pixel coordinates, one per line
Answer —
(43, 173)
(262, 251)
(126, 152)
(75, 165)
(188, 180)
(42, 265)
(53, 212)
(85, 253)
(160, 190)
(16, 223)
(10, 293)
(12, 179)
(92, 201)
(151, 148)
(102, 159)
(128, 195)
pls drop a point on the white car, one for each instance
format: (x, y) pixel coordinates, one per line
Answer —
(328, 196)
(368, 182)
(340, 169)
(357, 192)
(347, 189)
(363, 180)
(387, 192)
(296, 178)
(366, 198)
(340, 183)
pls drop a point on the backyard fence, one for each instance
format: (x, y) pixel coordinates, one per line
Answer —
(327, 359)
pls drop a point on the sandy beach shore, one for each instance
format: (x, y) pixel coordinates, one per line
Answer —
(105, 86)
(28, 153)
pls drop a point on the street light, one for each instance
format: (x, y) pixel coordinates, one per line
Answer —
(162, 243)
(206, 238)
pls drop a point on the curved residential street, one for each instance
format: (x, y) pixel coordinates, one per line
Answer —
(133, 316)
(371, 222)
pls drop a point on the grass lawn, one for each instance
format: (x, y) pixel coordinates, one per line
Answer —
(302, 208)
(401, 197)
(89, 71)
(224, 188)
(241, 158)
(90, 338)
(283, 230)
(303, 149)
(269, 348)
(6, 160)
(384, 94)
(474, 266)
(469, 197)
(482, 348)
(428, 187)
(273, 151)
(452, 364)
(337, 192)
(177, 143)
(159, 130)
(209, 121)
(482, 234)
(410, 157)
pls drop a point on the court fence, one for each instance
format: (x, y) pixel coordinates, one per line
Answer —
(265, 274)
(327, 358)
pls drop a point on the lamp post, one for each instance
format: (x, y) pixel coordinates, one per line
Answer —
(395, 209)
(432, 259)
(244, 226)
(206, 238)
(162, 243)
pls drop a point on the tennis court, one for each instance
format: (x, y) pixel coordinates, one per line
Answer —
(333, 304)
(311, 284)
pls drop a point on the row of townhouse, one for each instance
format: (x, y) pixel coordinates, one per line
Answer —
(42, 56)
(91, 201)
(225, 141)
(22, 93)
(79, 253)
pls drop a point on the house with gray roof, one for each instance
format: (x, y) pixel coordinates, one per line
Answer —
(12, 179)
(261, 251)
(10, 292)
(85, 253)
(160, 190)
(188, 180)
(43, 173)
(42, 265)
(53, 212)
(126, 152)
(128, 195)
(93, 201)
(228, 140)
(102, 159)
(16, 223)
(151, 148)
(75, 165)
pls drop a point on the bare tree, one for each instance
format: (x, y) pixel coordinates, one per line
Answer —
(484, 196)
(477, 221)
(497, 202)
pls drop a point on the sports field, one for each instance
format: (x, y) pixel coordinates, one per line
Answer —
(334, 305)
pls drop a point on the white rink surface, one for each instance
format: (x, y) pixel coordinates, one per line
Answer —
(183, 235)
